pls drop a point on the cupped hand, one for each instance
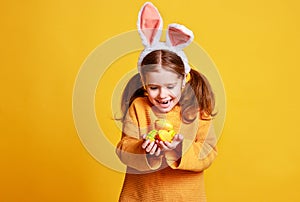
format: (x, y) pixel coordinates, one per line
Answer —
(151, 147)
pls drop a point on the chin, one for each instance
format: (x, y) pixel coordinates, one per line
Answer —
(165, 110)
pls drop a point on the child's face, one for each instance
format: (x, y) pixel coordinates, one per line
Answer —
(163, 88)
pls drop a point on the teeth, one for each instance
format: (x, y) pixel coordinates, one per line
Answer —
(165, 102)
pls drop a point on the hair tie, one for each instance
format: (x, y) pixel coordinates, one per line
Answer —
(187, 77)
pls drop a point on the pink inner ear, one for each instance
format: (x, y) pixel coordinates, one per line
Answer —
(177, 37)
(149, 22)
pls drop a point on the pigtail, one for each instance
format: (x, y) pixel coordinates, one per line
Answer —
(197, 97)
(133, 90)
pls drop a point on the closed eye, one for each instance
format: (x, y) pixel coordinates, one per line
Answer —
(153, 87)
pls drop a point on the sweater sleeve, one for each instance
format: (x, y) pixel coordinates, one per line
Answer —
(129, 149)
(195, 154)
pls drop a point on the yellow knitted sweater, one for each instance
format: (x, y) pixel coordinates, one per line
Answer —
(175, 175)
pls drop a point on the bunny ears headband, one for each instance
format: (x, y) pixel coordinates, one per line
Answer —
(149, 26)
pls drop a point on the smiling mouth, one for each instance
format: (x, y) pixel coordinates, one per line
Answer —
(164, 102)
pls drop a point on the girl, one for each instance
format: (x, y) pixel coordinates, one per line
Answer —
(166, 89)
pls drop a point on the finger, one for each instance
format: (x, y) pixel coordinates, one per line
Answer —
(163, 146)
(145, 144)
(178, 137)
(170, 145)
(144, 136)
(153, 149)
(149, 147)
(157, 153)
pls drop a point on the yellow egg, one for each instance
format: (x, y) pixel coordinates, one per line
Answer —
(151, 135)
(162, 124)
(164, 135)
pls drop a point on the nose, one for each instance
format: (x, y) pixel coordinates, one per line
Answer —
(163, 93)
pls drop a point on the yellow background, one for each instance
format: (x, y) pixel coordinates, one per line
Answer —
(255, 45)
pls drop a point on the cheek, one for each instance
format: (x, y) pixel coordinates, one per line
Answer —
(177, 93)
(152, 94)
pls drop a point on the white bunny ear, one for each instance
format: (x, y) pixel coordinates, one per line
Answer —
(179, 36)
(149, 24)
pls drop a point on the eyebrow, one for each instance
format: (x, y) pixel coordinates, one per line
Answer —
(165, 84)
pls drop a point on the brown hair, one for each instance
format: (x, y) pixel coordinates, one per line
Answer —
(196, 97)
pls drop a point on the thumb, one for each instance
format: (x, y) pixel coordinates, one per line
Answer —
(178, 137)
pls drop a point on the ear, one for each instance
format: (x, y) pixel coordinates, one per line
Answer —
(149, 24)
(179, 36)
